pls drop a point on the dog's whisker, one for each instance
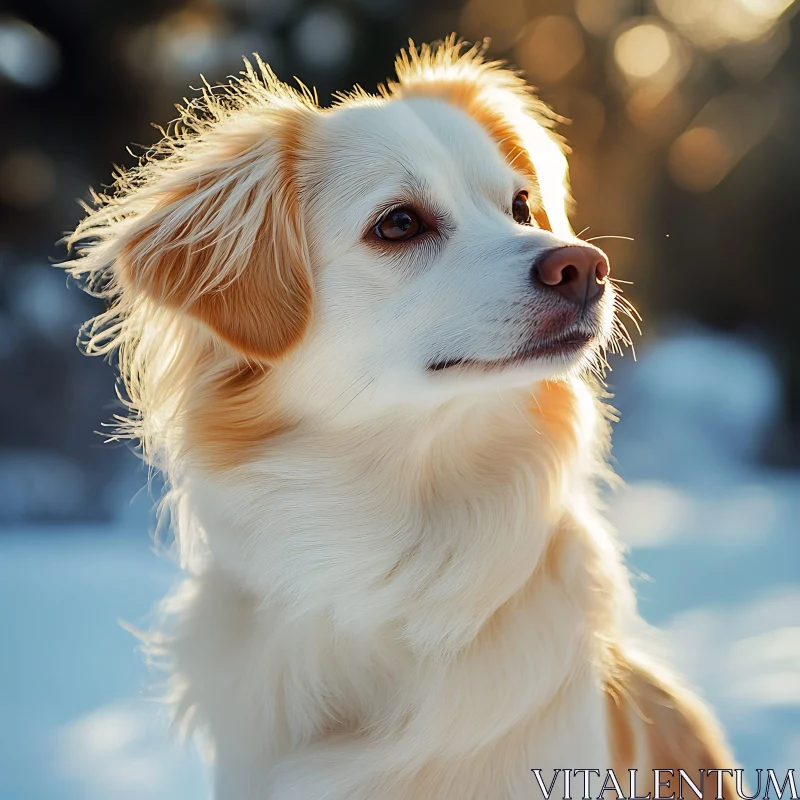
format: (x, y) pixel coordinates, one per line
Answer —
(628, 338)
(632, 314)
(628, 304)
(622, 332)
(609, 236)
(630, 311)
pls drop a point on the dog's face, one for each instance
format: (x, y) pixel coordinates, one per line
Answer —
(282, 259)
(435, 271)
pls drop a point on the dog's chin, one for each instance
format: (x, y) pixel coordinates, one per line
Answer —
(555, 355)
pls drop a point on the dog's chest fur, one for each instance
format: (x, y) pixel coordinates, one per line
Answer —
(407, 609)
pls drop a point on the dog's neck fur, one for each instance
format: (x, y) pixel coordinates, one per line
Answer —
(370, 622)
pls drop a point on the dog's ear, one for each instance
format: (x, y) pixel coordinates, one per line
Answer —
(219, 233)
(504, 105)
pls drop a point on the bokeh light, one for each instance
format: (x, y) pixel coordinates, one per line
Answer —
(700, 158)
(480, 19)
(600, 17)
(28, 57)
(190, 42)
(648, 51)
(715, 24)
(657, 111)
(724, 131)
(549, 48)
(324, 38)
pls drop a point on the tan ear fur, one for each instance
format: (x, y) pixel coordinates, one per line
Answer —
(224, 241)
(201, 255)
(653, 723)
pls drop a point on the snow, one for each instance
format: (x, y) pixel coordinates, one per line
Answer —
(76, 720)
(712, 543)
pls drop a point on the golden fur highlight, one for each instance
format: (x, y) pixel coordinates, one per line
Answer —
(206, 229)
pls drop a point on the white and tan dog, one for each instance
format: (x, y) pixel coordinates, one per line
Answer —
(357, 341)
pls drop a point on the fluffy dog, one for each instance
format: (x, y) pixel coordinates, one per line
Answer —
(359, 343)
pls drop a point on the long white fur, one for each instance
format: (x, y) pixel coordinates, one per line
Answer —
(409, 593)
(320, 678)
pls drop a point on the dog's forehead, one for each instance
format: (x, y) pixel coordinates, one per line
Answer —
(382, 144)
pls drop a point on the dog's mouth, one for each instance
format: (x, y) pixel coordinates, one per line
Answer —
(561, 348)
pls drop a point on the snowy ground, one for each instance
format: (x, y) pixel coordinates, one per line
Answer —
(713, 541)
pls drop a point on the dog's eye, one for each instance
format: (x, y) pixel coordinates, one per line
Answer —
(399, 225)
(520, 209)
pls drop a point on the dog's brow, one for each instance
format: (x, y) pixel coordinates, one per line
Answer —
(416, 186)
(414, 189)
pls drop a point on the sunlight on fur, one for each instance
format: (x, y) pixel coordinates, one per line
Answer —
(365, 348)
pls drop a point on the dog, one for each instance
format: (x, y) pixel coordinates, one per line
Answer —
(362, 344)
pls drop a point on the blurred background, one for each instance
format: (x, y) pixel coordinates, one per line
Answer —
(684, 118)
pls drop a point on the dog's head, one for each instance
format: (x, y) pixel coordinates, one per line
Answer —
(398, 249)
(443, 258)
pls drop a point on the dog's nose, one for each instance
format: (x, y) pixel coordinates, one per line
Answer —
(577, 272)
